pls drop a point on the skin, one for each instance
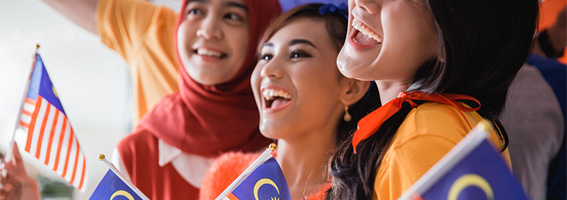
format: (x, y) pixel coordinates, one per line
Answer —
(14, 180)
(215, 26)
(407, 31)
(302, 64)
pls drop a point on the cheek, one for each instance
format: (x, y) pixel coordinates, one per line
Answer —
(255, 81)
(240, 40)
(184, 33)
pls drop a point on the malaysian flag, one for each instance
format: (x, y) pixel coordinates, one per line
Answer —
(45, 132)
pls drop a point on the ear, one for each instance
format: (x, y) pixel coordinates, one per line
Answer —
(353, 90)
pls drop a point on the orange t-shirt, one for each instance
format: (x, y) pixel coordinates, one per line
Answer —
(426, 135)
(142, 33)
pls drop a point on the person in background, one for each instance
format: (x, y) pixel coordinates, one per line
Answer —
(535, 115)
(214, 110)
(142, 33)
(15, 183)
(305, 103)
(441, 66)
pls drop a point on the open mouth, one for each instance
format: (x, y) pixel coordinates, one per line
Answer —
(364, 35)
(275, 98)
(209, 53)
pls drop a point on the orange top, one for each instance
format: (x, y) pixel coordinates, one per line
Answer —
(426, 135)
(142, 33)
(228, 167)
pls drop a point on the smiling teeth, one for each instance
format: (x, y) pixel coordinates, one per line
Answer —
(270, 94)
(211, 53)
(366, 31)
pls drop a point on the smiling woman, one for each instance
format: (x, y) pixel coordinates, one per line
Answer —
(213, 39)
(303, 101)
(441, 66)
(213, 112)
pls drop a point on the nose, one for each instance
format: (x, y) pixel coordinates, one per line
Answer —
(370, 6)
(209, 28)
(271, 70)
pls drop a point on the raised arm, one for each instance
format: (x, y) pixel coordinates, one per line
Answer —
(81, 12)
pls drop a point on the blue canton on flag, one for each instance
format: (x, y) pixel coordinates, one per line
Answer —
(473, 170)
(266, 182)
(112, 187)
(45, 132)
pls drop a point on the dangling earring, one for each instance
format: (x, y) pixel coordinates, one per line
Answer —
(347, 116)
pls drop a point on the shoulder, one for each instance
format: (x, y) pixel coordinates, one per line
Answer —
(223, 171)
(140, 141)
(437, 120)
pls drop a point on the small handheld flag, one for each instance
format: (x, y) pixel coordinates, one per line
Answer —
(263, 179)
(44, 131)
(473, 169)
(113, 185)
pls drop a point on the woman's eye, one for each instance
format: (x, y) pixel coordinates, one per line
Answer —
(299, 54)
(232, 16)
(266, 57)
(195, 12)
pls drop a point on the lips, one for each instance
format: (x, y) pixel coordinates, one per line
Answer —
(275, 98)
(364, 35)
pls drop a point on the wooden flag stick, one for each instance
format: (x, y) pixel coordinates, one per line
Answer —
(9, 152)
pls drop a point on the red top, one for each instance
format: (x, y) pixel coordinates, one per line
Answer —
(139, 153)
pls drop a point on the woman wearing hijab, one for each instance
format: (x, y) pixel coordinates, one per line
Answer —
(214, 110)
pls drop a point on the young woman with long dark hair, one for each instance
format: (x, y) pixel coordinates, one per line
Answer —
(441, 66)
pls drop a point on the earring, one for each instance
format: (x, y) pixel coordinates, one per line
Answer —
(347, 116)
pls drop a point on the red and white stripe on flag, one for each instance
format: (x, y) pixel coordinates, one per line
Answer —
(49, 137)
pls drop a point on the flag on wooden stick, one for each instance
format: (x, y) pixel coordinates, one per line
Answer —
(44, 131)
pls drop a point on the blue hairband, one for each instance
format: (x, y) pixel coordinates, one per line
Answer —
(342, 9)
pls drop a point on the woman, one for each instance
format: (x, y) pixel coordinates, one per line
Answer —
(440, 66)
(304, 102)
(213, 112)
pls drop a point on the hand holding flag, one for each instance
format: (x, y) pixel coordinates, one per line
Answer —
(14, 180)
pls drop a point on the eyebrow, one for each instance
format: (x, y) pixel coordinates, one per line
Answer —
(293, 42)
(301, 41)
(236, 4)
(227, 4)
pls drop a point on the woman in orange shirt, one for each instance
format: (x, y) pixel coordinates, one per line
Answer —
(440, 66)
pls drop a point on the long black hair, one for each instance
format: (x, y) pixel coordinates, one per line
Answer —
(482, 45)
(336, 25)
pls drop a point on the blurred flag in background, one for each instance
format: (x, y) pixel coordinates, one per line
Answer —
(45, 132)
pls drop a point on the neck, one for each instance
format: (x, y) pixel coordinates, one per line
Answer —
(389, 90)
(304, 162)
